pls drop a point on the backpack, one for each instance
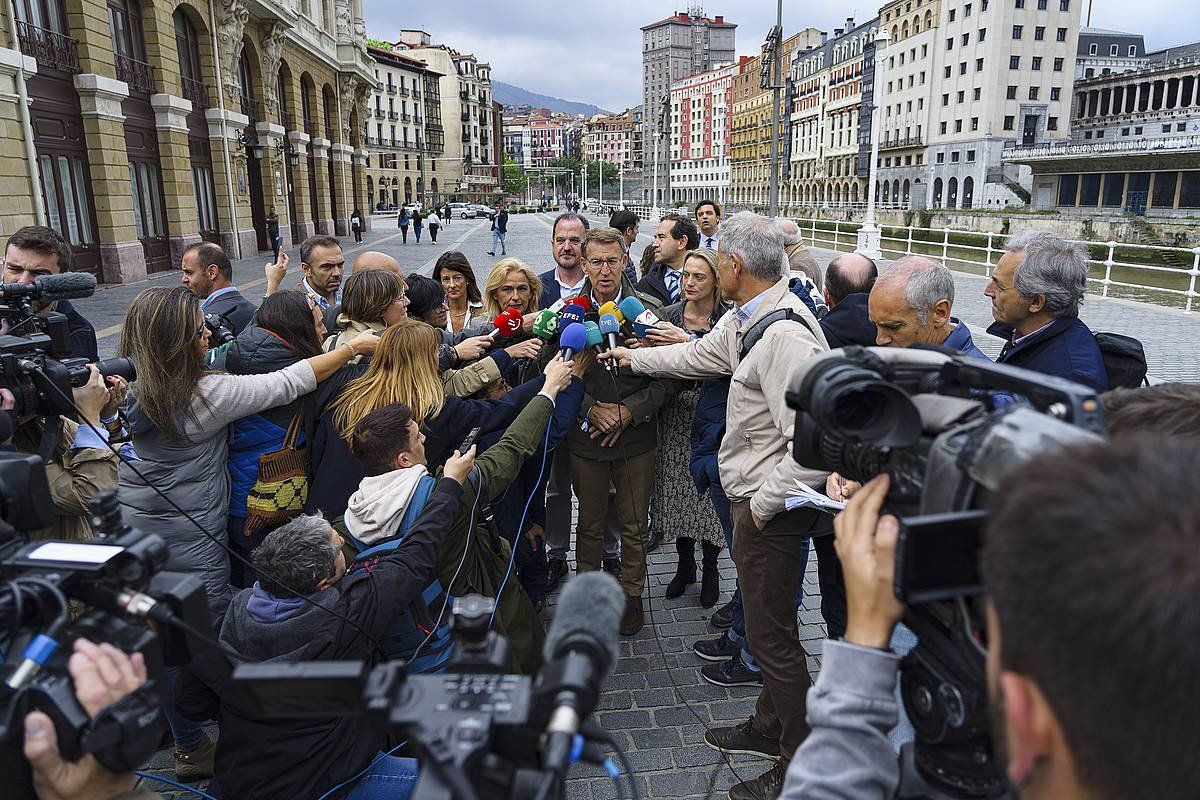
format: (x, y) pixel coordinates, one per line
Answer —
(756, 331)
(1124, 360)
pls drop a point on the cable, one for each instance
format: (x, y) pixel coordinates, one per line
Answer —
(216, 540)
(173, 619)
(364, 770)
(512, 556)
(176, 784)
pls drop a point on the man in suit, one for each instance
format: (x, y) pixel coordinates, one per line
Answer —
(208, 274)
(708, 217)
(676, 235)
(565, 279)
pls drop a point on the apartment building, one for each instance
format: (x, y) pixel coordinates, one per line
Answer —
(615, 139)
(700, 108)
(395, 135)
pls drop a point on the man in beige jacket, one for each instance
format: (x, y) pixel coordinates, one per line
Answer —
(757, 469)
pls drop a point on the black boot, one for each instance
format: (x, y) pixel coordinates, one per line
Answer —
(685, 573)
(710, 585)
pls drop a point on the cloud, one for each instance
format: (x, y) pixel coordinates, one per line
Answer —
(591, 51)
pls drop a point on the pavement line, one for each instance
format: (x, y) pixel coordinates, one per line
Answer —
(113, 330)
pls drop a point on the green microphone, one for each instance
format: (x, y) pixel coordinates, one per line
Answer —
(545, 325)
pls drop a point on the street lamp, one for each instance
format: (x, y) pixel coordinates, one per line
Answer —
(869, 233)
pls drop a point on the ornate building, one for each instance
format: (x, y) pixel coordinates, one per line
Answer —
(147, 126)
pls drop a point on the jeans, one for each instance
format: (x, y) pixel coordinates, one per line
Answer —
(404, 233)
(187, 734)
(498, 237)
(388, 778)
(417, 231)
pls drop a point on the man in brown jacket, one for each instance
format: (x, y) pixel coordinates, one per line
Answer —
(757, 470)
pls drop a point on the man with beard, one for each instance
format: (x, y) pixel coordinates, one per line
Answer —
(1090, 564)
(208, 274)
(322, 263)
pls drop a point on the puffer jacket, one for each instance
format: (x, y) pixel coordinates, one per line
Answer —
(255, 352)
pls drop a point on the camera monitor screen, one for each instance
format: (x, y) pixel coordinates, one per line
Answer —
(937, 556)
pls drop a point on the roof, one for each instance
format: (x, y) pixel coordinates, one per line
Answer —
(682, 17)
(1105, 32)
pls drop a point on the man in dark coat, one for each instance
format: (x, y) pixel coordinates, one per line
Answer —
(848, 281)
(208, 274)
(1035, 291)
(36, 250)
(675, 236)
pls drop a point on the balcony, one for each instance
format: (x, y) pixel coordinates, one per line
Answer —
(393, 116)
(464, 95)
(406, 118)
(464, 115)
(403, 92)
(433, 126)
(195, 91)
(380, 113)
(1127, 147)
(466, 136)
(907, 141)
(370, 141)
(135, 73)
(392, 88)
(251, 108)
(51, 50)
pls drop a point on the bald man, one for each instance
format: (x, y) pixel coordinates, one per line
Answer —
(368, 259)
(911, 303)
(848, 279)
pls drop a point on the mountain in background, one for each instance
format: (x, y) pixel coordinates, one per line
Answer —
(508, 95)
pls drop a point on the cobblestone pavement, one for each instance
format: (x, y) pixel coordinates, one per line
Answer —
(655, 701)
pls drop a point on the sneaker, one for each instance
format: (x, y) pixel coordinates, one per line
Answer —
(719, 649)
(556, 572)
(742, 739)
(195, 765)
(722, 618)
(767, 786)
(491, 252)
(613, 567)
(733, 672)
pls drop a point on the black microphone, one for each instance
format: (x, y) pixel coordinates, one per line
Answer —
(580, 649)
(68, 286)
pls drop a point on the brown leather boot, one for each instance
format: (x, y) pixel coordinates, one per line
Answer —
(631, 620)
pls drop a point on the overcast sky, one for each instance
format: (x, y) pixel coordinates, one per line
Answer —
(590, 51)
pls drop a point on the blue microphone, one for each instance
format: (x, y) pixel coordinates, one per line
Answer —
(609, 328)
(636, 315)
(594, 338)
(572, 340)
(570, 314)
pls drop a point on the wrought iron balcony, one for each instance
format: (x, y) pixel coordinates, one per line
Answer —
(393, 116)
(392, 88)
(406, 118)
(403, 92)
(195, 91)
(51, 50)
(907, 141)
(464, 115)
(251, 108)
(135, 73)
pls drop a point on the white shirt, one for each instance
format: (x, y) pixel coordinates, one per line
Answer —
(569, 291)
(709, 242)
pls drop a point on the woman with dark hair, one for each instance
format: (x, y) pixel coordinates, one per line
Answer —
(371, 300)
(427, 301)
(418, 222)
(356, 224)
(463, 300)
(178, 414)
(288, 328)
(402, 222)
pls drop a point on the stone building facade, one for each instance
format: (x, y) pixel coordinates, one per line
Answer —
(155, 124)
(401, 149)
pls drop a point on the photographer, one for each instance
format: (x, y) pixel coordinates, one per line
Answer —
(34, 251)
(306, 758)
(79, 464)
(1107, 562)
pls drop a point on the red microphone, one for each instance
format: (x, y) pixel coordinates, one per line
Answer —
(582, 302)
(508, 322)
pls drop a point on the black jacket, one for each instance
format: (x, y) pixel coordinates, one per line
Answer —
(654, 284)
(82, 332)
(237, 310)
(849, 323)
(500, 222)
(301, 759)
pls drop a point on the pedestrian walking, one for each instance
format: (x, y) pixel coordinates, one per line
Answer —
(273, 233)
(446, 214)
(402, 223)
(434, 223)
(418, 223)
(356, 225)
(499, 228)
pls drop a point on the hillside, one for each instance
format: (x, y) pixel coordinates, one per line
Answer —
(509, 95)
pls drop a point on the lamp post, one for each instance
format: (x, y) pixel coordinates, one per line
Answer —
(583, 178)
(600, 180)
(655, 214)
(869, 233)
(621, 187)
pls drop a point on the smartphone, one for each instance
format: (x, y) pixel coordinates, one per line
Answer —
(470, 440)
(937, 556)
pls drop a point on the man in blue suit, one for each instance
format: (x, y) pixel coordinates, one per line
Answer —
(1035, 291)
(565, 278)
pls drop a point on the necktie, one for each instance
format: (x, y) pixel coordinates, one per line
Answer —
(672, 281)
(710, 243)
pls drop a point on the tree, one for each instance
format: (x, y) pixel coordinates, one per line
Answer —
(594, 168)
(515, 180)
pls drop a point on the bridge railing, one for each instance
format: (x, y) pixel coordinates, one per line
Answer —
(1155, 274)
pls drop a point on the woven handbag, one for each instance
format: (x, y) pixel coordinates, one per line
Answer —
(281, 490)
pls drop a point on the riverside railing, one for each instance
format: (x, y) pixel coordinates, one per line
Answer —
(1155, 274)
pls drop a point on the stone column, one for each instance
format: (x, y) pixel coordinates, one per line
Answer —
(237, 227)
(342, 166)
(122, 259)
(1137, 97)
(320, 154)
(306, 224)
(1179, 95)
(179, 188)
(274, 180)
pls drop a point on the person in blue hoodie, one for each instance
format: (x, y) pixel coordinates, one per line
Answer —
(911, 304)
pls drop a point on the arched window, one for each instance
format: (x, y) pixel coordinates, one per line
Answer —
(904, 197)
(952, 193)
(968, 191)
(407, 191)
(904, 30)
(187, 45)
(937, 192)
(896, 191)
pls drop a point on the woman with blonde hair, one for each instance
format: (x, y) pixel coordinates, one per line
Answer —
(404, 370)
(511, 284)
(372, 299)
(677, 515)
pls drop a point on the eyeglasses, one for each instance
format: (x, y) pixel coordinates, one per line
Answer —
(613, 264)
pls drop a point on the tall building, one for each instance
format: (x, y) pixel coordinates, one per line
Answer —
(700, 115)
(154, 125)
(752, 109)
(401, 150)
(469, 167)
(686, 43)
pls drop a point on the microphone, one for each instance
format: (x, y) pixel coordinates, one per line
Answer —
(580, 649)
(595, 339)
(67, 286)
(570, 314)
(545, 324)
(612, 308)
(572, 340)
(508, 323)
(610, 327)
(582, 302)
(637, 315)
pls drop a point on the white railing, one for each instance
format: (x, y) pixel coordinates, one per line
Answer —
(1146, 145)
(1148, 273)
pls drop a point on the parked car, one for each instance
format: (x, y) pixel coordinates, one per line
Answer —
(483, 211)
(462, 210)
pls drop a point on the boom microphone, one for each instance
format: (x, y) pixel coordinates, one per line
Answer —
(580, 649)
(572, 340)
(67, 286)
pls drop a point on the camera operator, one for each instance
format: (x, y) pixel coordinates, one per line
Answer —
(1087, 551)
(79, 464)
(297, 759)
(103, 675)
(36, 250)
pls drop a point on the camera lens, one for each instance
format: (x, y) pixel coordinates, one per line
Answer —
(856, 403)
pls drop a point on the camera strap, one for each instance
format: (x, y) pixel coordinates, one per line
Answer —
(755, 332)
